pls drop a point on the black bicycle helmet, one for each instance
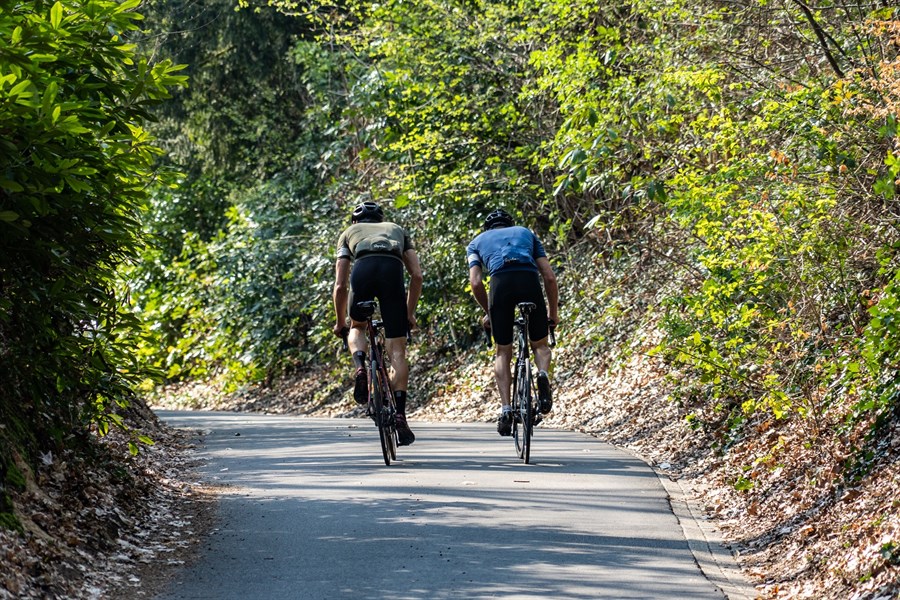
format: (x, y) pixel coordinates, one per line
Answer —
(498, 218)
(367, 212)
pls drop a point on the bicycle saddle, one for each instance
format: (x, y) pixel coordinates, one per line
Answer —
(366, 308)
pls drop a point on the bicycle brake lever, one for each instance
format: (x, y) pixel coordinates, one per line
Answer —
(345, 331)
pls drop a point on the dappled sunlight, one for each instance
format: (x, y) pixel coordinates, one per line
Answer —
(458, 515)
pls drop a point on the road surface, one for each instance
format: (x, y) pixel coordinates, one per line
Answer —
(310, 511)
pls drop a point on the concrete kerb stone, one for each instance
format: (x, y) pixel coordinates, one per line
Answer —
(716, 562)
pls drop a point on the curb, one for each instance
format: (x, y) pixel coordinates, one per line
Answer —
(714, 559)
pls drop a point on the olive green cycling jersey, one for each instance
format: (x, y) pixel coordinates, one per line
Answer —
(362, 239)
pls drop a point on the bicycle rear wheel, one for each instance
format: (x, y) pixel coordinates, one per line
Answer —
(516, 413)
(386, 432)
(380, 411)
(523, 412)
(527, 411)
(389, 414)
(393, 439)
(390, 406)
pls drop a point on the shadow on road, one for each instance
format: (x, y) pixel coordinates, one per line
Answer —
(309, 510)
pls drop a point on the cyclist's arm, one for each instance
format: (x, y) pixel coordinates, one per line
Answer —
(550, 287)
(341, 293)
(478, 290)
(411, 260)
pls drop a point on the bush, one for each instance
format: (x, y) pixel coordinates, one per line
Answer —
(74, 166)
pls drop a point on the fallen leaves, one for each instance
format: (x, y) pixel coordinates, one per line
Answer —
(97, 524)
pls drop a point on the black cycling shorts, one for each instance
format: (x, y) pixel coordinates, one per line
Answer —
(380, 276)
(508, 288)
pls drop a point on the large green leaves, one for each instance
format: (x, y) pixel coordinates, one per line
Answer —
(74, 165)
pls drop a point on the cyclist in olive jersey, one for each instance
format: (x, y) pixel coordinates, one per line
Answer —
(515, 259)
(378, 251)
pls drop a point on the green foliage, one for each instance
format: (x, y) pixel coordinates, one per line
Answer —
(245, 299)
(10, 521)
(242, 118)
(221, 289)
(753, 180)
(890, 552)
(14, 477)
(877, 371)
(785, 256)
(74, 166)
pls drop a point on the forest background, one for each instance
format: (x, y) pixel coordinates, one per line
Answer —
(716, 183)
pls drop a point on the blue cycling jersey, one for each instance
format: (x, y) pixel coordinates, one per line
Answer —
(505, 249)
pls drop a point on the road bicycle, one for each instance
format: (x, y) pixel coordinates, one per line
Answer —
(381, 405)
(524, 400)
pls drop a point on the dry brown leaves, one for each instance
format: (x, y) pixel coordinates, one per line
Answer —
(102, 526)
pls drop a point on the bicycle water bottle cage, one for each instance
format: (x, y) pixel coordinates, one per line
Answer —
(366, 309)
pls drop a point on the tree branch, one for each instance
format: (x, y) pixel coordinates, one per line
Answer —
(822, 36)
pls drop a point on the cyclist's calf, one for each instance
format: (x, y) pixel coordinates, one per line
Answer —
(542, 354)
(396, 350)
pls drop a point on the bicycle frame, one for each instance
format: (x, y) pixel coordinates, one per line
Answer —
(381, 405)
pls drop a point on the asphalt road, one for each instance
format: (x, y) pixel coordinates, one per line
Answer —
(310, 511)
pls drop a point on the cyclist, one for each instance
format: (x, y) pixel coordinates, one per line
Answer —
(378, 250)
(515, 260)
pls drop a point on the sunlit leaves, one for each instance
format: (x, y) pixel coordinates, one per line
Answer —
(74, 166)
(670, 130)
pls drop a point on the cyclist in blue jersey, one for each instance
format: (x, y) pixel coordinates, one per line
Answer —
(516, 262)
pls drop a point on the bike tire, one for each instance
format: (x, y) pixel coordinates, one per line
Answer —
(516, 412)
(389, 404)
(523, 413)
(393, 436)
(390, 412)
(388, 450)
(527, 417)
(379, 412)
(516, 434)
